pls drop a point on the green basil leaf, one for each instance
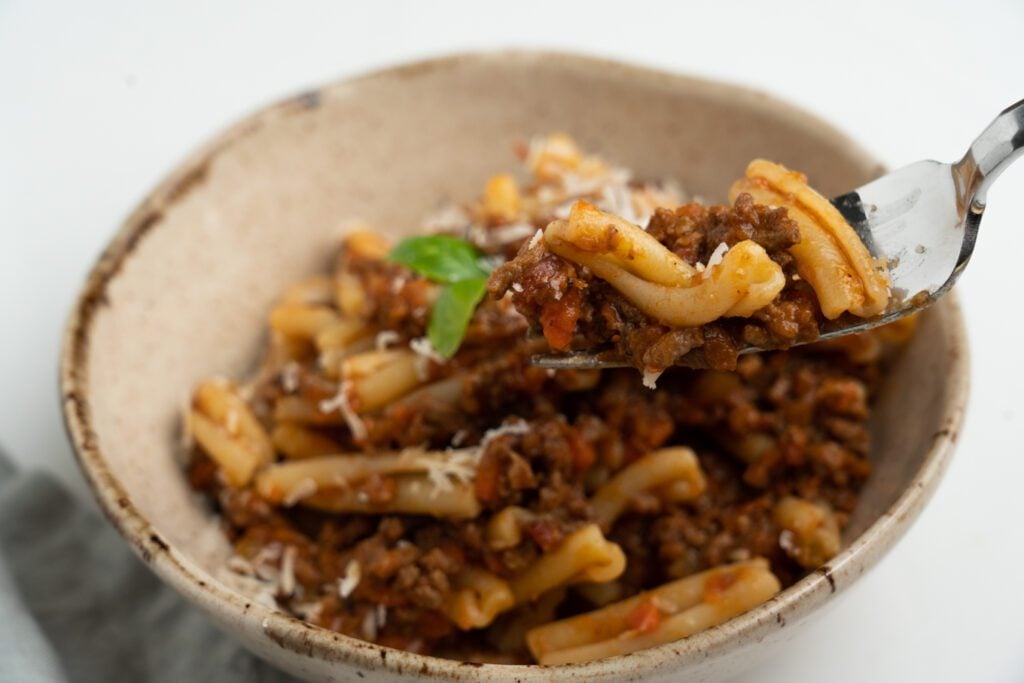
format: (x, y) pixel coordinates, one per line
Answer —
(440, 258)
(452, 312)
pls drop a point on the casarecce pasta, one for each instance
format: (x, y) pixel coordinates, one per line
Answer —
(467, 504)
(657, 281)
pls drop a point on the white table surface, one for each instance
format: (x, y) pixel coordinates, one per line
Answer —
(99, 99)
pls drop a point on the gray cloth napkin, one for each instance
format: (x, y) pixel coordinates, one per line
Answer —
(77, 605)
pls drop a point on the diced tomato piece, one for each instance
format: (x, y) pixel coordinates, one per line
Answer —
(486, 483)
(558, 319)
(645, 617)
(583, 454)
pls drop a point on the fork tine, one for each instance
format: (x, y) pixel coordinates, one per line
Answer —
(578, 360)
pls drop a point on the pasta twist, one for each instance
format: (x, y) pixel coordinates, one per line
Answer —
(830, 255)
(658, 282)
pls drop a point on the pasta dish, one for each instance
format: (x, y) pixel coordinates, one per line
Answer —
(396, 469)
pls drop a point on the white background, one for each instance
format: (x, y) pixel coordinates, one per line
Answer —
(98, 100)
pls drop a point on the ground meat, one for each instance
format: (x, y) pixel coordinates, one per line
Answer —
(556, 298)
(784, 423)
(395, 299)
(693, 231)
(778, 424)
(574, 309)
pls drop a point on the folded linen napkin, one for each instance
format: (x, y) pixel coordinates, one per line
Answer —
(77, 605)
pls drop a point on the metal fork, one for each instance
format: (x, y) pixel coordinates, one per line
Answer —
(923, 219)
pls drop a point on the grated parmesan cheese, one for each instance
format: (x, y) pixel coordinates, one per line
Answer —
(578, 186)
(369, 625)
(535, 240)
(499, 236)
(426, 353)
(340, 403)
(385, 338)
(459, 437)
(449, 218)
(651, 378)
(453, 465)
(423, 347)
(290, 377)
(618, 200)
(348, 583)
(286, 581)
(563, 210)
(260, 591)
(516, 428)
(716, 258)
(787, 541)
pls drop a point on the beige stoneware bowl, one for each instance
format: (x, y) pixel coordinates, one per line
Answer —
(183, 291)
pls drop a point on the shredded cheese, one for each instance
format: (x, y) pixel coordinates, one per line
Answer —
(459, 437)
(423, 347)
(348, 583)
(385, 338)
(340, 403)
(449, 218)
(426, 353)
(369, 625)
(535, 240)
(453, 465)
(290, 377)
(716, 258)
(286, 583)
(651, 378)
(516, 428)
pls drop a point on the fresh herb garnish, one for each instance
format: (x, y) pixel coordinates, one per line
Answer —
(440, 258)
(452, 312)
(459, 266)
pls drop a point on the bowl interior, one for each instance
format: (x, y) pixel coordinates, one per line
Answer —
(185, 291)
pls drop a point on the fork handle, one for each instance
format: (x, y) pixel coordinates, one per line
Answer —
(998, 146)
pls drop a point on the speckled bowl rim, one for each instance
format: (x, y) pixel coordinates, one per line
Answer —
(304, 639)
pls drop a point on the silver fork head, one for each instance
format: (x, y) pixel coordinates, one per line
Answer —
(922, 220)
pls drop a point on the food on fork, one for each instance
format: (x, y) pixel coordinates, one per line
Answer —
(767, 272)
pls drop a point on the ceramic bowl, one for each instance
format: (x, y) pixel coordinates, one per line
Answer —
(183, 290)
